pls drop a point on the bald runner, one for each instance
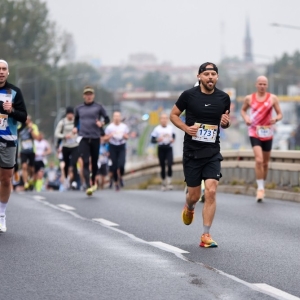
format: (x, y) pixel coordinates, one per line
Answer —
(260, 122)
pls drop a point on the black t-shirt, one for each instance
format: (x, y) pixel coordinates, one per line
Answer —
(205, 109)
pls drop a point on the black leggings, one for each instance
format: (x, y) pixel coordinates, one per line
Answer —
(89, 148)
(70, 157)
(117, 155)
(165, 154)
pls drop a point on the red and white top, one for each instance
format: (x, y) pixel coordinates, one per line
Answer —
(261, 114)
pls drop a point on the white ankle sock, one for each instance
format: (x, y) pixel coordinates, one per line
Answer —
(260, 184)
(2, 208)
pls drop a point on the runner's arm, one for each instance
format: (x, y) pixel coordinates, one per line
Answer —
(104, 115)
(21, 127)
(277, 109)
(48, 149)
(244, 109)
(19, 112)
(58, 130)
(175, 119)
(34, 131)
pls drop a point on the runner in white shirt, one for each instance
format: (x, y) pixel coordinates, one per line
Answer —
(116, 133)
(42, 150)
(164, 136)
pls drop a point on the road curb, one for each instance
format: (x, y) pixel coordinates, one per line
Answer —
(273, 194)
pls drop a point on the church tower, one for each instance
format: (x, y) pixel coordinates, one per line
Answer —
(248, 56)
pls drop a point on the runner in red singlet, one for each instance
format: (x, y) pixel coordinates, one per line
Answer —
(261, 122)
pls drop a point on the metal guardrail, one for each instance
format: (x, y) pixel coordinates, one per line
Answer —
(237, 168)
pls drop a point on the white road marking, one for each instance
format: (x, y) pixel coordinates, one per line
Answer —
(275, 292)
(65, 206)
(37, 197)
(260, 287)
(167, 247)
(105, 222)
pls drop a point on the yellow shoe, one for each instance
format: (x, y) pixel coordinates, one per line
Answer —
(26, 186)
(94, 188)
(187, 215)
(260, 195)
(89, 191)
(207, 241)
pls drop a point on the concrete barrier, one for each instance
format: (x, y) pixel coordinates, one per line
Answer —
(237, 169)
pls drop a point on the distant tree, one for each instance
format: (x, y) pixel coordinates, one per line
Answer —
(27, 33)
(284, 71)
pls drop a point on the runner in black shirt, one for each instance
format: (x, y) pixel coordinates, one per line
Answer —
(207, 108)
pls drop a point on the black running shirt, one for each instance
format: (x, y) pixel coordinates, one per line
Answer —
(205, 109)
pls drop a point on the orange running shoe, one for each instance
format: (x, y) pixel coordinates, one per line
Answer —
(187, 215)
(16, 177)
(260, 194)
(207, 241)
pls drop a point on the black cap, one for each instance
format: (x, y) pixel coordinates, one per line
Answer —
(203, 67)
(69, 110)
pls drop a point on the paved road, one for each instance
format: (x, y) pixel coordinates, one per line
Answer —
(51, 252)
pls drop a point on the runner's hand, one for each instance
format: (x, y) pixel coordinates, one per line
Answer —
(192, 130)
(225, 119)
(247, 120)
(74, 130)
(7, 106)
(273, 121)
(99, 123)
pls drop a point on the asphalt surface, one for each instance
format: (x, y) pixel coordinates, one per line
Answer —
(52, 253)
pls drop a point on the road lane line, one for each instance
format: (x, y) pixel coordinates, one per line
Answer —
(179, 255)
(167, 247)
(105, 222)
(65, 206)
(275, 292)
(37, 197)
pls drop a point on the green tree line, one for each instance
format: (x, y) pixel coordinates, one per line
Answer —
(40, 62)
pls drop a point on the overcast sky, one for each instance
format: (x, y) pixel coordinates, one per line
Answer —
(184, 32)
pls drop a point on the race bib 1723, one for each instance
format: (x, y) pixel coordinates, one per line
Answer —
(206, 133)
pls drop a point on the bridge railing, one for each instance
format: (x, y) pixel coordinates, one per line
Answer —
(237, 168)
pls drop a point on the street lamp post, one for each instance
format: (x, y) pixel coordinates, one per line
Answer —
(285, 26)
(288, 27)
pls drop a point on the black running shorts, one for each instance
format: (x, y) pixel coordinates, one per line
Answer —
(265, 145)
(28, 158)
(196, 170)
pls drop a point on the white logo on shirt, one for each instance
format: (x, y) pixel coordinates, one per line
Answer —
(206, 104)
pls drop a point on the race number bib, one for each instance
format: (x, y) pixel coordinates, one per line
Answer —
(27, 144)
(166, 139)
(3, 121)
(206, 133)
(264, 131)
(6, 97)
(118, 135)
(102, 159)
(70, 141)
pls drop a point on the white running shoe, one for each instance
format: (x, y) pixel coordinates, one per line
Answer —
(3, 223)
(74, 185)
